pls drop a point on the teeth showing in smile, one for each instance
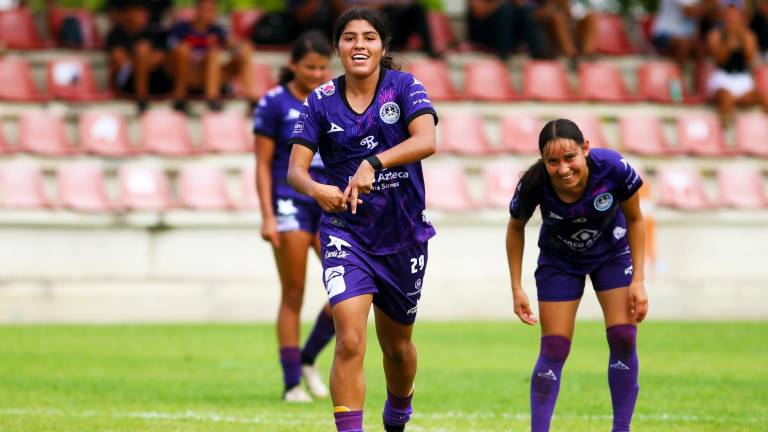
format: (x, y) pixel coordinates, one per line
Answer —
(359, 57)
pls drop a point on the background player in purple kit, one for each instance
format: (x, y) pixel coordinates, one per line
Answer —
(290, 220)
(592, 225)
(372, 126)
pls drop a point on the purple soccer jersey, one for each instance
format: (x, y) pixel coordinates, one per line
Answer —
(391, 218)
(579, 236)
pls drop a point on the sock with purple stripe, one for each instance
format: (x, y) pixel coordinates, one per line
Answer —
(290, 359)
(349, 421)
(397, 412)
(545, 382)
(623, 368)
(321, 334)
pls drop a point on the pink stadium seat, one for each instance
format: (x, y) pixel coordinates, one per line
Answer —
(499, 183)
(463, 132)
(88, 28)
(43, 133)
(441, 31)
(446, 187)
(21, 186)
(436, 79)
(165, 132)
(226, 132)
(82, 187)
(144, 187)
(263, 78)
(612, 37)
(487, 80)
(761, 77)
(701, 134)
(4, 147)
(546, 81)
(72, 79)
(752, 134)
(18, 30)
(741, 185)
(16, 81)
(602, 82)
(681, 186)
(655, 79)
(520, 133)
(643, 135)
(243, 20)
(203, 187)
(250, 199)
(591, 128)
(104, 133)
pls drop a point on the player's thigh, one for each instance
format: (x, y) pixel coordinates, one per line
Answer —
(393, 336)
(291, 256)
(615, 305)
(558, 317)
(611, 281)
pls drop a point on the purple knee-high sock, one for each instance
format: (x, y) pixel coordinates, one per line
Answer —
(322, 332)
(290, 359)
(350, 421)
(623, 368)
(397, 410)
(545, 382)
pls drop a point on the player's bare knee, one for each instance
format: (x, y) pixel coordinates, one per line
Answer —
(293, 299)
(349, 345)
(397, 352)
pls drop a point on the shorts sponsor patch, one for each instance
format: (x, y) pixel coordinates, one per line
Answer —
(334, 281)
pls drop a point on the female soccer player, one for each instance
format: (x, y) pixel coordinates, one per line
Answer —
(592, 225)
(290, 220)
(372, 126)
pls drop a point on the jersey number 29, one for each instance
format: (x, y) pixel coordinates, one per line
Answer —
(417, 262)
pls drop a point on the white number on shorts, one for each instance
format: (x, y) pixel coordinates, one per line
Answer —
(417, 262)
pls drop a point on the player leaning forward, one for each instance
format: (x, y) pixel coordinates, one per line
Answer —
(591, 225)
(372, 126)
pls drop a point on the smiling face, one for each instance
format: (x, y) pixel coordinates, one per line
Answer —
(566, 163)
(310, 71)
(360, 49)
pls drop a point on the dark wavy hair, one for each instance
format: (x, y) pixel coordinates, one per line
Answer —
(306, 43)
(535, 177)
(379, 22)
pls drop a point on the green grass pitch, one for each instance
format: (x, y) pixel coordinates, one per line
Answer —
(472, 377)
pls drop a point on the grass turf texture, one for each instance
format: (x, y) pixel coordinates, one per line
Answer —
(472, 377)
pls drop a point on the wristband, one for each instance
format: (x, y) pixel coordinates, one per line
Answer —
(375, 163)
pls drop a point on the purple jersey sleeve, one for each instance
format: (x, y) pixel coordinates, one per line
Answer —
(628, 180)
(515, 209)
(306, 131)
(266, 118)
(415, 99)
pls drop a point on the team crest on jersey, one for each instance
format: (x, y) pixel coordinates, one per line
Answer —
(327, 89)
(603, 201)
(389, 113)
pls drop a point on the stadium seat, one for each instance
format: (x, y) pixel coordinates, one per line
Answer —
(88, 28)
(441, 31)
(17, 82)
(520, 134)
(592, 129)
(488, 80)
(701, 135)
(463, 132)
(741, 185)
(681, 186)
(42, 132)
(752, 134)
(203, 187)
(144, 187)
(446, 187)
(612, 37)
(21, 186)
(656, 81)
(761, 77)
(243, 20)
(72, 79)
(4, 147)
(165, 132)
(82, 187)
(436, 78)
(249, 198)
(18, 30)
(226, 132)
(263, 79)
(601, 82)
(104, 133)
(499, 183)
(546, 81)
(642, 134)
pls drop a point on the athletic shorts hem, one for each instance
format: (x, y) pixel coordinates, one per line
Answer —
(346, 296)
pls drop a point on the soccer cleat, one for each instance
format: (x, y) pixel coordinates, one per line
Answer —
(296, 395)
(314, 382)
(390, 428)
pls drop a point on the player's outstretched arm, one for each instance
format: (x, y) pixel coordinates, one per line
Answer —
(420, 145)
(328, 197)
(515, 247)
(638, 298)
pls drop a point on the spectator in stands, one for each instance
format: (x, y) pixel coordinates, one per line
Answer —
(571, 25)
(502, 25)
(282, 27)
(759, 25)
(734, 49)
(137, 61)
(198, 49)
(674, 31)
(407, 17)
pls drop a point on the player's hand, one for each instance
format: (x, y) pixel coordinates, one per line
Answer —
(638, 301)
(330, 198)
(269, 231)
(523, 307)
(361, 182)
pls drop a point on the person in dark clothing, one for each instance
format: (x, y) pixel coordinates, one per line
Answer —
(501, 25)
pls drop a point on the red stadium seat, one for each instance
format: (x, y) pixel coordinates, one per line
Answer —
(657, 79)
(761, 78)
(18, 30)
(681, 186)
(463, 132)
(701, 134)
(591, 128)
(203, 187)
(249, 198)
(21, 186)
(43, 133)
(82, 187)
(612, 37)
(741, 185)
(72, 79)
(441, 31)
(226, 132)
(16, 81)
(104, 133)
(144, 187)
(436, 78)
(499, 183)
(243, 20)
(602, 82)
(446, 187)
(488, 80)
(165, 132)
(88, 28)
(520, 133)
(643, 135)
(752, 134)
(546, 81)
